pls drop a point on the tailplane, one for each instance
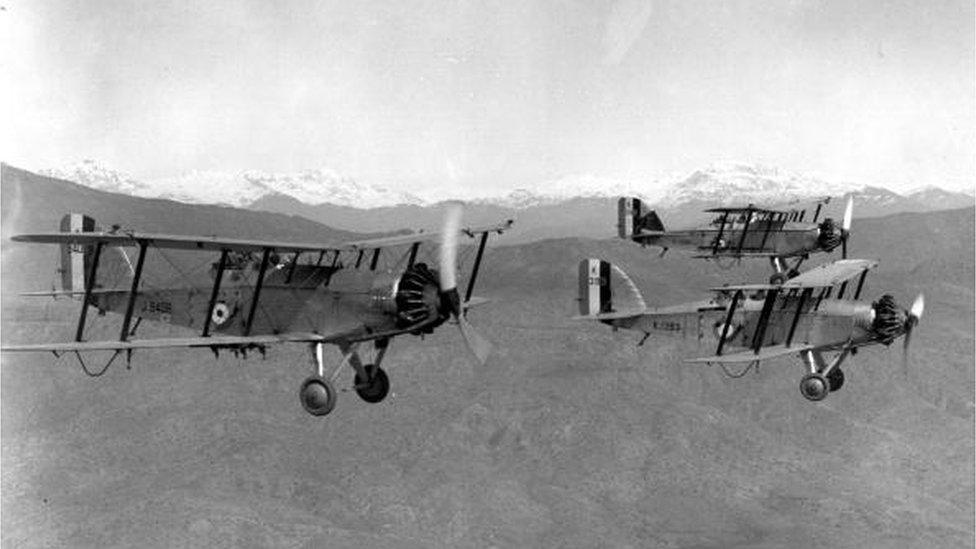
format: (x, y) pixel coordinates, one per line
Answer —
(606, 288)
(633, 219)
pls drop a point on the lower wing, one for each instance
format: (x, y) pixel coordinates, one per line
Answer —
(764, 353)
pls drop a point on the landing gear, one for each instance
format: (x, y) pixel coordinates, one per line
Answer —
(784, 272)
(376, 388)
(814, 387)
(318, 396)
(836, 379)
(822, 378)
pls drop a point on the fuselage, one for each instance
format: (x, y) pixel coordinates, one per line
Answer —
(316, 299)
(782, 240)
(826, 323)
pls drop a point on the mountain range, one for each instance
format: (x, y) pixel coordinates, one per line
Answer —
(582, 205)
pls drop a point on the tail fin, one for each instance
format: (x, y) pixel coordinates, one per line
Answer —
(633, 219)
(598, 281)
(75, 261)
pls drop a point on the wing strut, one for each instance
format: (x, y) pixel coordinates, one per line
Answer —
(860, 284)
(718, 239)
(136, 277)
(728, 322)
(745, 229)
(88, 292)
(767, 310)
(769, 226)
(292, 267)
(214, 293)
(477, 265)
(376, 257)
(257, 290)
(413, 254)
(816, 214)
(804, 295)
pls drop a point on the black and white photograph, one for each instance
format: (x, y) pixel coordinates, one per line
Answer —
(488, 274)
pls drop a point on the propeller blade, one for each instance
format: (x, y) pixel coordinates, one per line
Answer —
(449, 244)
(904, 349)
(914, 315)
(918, 307)
(476, 343)
(848, 213)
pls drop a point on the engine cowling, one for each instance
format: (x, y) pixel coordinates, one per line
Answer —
(418, 297)
(889, 319)
(830, 235)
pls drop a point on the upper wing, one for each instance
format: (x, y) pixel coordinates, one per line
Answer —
(823, 276)
(831, 274)
(745, 209)
(214, 243)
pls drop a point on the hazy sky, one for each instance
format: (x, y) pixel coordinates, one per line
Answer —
(497, 93)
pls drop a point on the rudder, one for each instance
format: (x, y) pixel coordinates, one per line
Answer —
(75, 260)
(599, 282)
(633, 218)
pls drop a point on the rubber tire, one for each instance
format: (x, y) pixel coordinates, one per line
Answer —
(836, 379)
(377, 388)
(323, 409)
(777, 278)
(819, 379)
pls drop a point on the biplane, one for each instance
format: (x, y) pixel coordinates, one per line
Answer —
(755, 322)
(261, 293)
(748, 232)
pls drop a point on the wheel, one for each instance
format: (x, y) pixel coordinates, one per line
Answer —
(777, 278)
(836, 379)
(318, 396)
(814, 387)
(378, 386)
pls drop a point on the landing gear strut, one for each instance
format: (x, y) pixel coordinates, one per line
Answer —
(821, 378)
(783, 271)
(318, 394)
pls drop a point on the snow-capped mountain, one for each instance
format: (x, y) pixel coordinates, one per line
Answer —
(721, 184)
(569, 187)
(239, 189)
(91, 174)
(310, 187)
(742, 184)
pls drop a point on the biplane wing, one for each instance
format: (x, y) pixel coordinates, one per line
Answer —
(827, 275)
(167, 343)
(217, 244)
(764, 353)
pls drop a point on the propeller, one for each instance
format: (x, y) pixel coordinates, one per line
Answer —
(846, 227)
(476, 343)
(914, 315)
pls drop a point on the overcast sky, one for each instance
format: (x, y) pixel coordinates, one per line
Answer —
(493, 94)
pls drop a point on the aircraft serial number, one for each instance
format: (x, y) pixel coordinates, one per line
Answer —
(667, 325)
(157, 307)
